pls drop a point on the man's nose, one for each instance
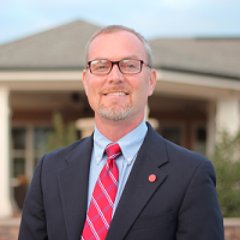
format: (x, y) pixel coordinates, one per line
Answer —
(115, 73)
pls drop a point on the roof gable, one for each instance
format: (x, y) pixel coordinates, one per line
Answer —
(61, 47)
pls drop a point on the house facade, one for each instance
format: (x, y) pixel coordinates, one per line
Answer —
(196, 97)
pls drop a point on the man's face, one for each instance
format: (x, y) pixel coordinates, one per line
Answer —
(117, 96)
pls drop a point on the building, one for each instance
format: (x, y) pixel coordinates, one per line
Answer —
(197, 94)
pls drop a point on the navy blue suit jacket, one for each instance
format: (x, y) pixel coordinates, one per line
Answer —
(180, 205)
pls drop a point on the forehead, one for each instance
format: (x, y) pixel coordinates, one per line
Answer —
(116, 46)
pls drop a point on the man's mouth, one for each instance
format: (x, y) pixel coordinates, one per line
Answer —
(117, 93)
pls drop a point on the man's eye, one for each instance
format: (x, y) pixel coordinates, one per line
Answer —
(130, 65)
(100, 67)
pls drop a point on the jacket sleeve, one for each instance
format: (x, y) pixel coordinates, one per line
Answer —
(200, 217)
(33, 223)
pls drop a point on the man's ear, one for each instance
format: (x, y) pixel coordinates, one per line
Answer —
(84, 80)
(152, 81)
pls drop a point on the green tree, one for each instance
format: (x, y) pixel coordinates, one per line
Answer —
(226, 159)
(62, 134)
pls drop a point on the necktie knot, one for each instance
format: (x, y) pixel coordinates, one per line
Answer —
(113, 150)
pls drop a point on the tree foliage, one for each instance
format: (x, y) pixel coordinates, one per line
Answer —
(63, 134)
(226, 159)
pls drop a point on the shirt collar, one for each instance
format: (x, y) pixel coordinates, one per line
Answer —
(129, 144)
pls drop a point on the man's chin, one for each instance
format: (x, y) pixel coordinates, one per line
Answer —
(115, 114)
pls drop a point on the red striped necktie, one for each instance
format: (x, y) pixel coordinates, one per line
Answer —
(100, 210)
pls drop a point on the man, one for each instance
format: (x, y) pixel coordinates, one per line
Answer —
(146, 188)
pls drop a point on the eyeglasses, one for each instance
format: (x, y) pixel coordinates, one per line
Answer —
(126, 66)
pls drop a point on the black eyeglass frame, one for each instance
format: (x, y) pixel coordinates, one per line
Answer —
(117, 63)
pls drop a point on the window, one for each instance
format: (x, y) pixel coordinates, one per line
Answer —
(28, 145)
(200, 139)
(40, 142)
(18, 151)
(172, 133)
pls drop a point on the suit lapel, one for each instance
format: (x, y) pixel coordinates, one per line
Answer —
(73, 184)
(139, 189)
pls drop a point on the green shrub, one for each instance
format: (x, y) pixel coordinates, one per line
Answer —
(62, 135)
(226, 159)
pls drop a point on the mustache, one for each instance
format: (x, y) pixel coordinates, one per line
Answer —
(115, 89)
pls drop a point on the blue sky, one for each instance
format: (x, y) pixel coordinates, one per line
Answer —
(152, 18)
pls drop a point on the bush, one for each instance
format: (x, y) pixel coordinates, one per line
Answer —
(226, 159)
(62, 135)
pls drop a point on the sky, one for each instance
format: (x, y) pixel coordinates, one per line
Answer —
(152, 18)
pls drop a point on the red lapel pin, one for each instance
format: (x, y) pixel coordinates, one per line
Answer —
(152, 178)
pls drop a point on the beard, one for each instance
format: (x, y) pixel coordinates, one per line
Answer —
(115, 113)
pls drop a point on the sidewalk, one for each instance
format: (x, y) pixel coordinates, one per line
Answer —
(9, 228)
(232, 228)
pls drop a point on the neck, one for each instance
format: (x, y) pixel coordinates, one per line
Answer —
(114, 130)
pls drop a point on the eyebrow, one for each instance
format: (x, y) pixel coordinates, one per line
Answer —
(127, 57)
(131, 56)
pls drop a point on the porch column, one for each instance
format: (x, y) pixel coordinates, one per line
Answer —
(5, 203)
(211, 128)
(228, 115)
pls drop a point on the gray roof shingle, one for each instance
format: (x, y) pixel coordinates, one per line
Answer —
(217, 56)
(63, 47)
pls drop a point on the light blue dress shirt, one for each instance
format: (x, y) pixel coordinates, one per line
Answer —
(129, 145)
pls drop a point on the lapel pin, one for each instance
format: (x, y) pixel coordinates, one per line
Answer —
(152, 178)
